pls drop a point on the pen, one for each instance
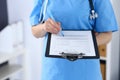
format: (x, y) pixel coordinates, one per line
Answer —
(61, 33)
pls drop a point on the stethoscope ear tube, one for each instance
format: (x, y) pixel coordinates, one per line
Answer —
(93, 14)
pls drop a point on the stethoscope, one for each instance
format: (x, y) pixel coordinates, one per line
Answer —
(93, 14)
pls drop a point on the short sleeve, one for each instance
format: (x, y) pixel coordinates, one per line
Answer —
(35, 14)
(106, 20)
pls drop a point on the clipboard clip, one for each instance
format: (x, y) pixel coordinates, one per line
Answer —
(72, 57)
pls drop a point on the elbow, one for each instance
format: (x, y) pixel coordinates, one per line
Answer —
(108, 37)
(104, 38)
(109, 34)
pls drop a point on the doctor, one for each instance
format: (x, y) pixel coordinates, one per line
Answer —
(72, 14)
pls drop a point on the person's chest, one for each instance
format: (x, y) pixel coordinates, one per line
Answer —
(78, 8)
(70, 13)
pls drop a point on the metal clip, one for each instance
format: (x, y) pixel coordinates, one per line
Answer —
(93, 15)
(72, 57)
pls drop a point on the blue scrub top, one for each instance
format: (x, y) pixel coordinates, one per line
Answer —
(74, 14)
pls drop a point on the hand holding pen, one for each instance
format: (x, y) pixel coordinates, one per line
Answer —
(52, 26)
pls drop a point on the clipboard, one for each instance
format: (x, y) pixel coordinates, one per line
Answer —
(72, 56)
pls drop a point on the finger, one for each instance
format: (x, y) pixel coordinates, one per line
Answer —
(52, 21)
(52, 26)
(58, 23)
(49, 28)
(52, 29)
(55, 24)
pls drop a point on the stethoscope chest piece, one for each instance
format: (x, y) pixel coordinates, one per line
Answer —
(93, 15)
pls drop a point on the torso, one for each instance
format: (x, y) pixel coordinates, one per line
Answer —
(73, 14)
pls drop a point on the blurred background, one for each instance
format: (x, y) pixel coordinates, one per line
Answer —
(20, 51)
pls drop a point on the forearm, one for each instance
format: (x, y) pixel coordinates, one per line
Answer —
(38, 31)
(48, 26)
(103, 38)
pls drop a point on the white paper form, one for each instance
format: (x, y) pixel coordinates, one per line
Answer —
(73, 42)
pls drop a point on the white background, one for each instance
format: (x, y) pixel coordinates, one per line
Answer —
(20, 10)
